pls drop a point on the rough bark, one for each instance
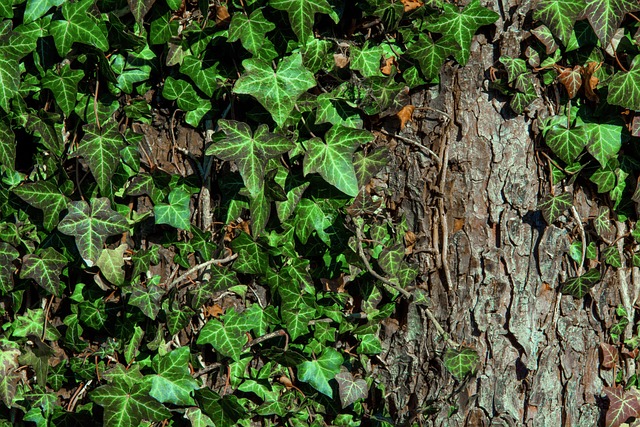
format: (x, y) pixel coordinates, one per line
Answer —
(538, 349)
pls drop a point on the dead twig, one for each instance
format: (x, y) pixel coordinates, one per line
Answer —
(201, 267)
(278, 333)
(426, 150)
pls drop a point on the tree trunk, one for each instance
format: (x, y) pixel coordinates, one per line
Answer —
(491, 265)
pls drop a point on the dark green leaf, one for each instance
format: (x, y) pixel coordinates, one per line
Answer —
(319, 372)
(302, 13)
(44, 195)
(624, 87)
(45, 269)
(559, 16)
(554, 206)
(579, 286)
(177, 212)
(350, 389)
(605, 16)
(461, 362)
(101, 148)
(78, 26)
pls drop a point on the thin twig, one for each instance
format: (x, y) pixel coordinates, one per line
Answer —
(278, 333)
(201, 267)
(416, 143)
(359, 238)
(206, 369)
(424, 107)
(582, 237)
(95, 102)
(443, 217)
(439, 328)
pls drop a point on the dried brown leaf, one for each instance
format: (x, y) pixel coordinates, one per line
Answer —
(405, 115)
(570, 78)
(387, 65)
(410, 5)
(609, 356)
(623, 404)
(591, 81)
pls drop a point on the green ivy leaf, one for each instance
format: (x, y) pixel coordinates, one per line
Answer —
(206, 79)
(227, 340)
(44, 195)
(612, 257)
(178, 318)
(604, 140)
(131, 350)
(566, 143)
(250, 152)
(461, 363)
(462, 25)
(369, 344)
(78, 26)
(605, 16)
(314, 54)
(183, 93)
(605, 178)
(111, 264)
(173, 382)
(252, 258)
(91, 225)
(37, 8)
(602, 223)
(431, 55)
(9, 78)
(579, 286)
(309, 218)
(93, 313)
(44, 269)
(350, 389)
(367, 60)
(276, 92)
(127, 404)
(32, 323)
(101, 148)
(296, 315)
(64, 85)
(147, 299)
(8, 254)
(302, 13)
(554, 206)
(319, 372)
(333, 159)
(7, 142)
(624, 87)
(250, 30)
(368, 164)
(559, 16)
(177, 212)
(198, 418)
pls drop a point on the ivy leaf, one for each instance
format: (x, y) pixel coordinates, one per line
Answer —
(44, 195)
(431, 55)
(559, 16)
(139, 8)
(111, 264)
(336, 112)
(250, 152)
(566, 143)
(461, 362)
(9, 78)
(554, 206)
(252, 258)
(367, 60)
(319, 372)
(601, 222)
(296, 315)
(605, 178)
(302, 13)
(91, 225)
(333, 159)
(605, 16)
(367, 165)
(44, 269)
(310, 218)
(128, 404)
(78, 26)
(176, 213)
(390, 259)
(172, 383)
(205, 79)
(350, 389)
(9, 375)
(604, 140)
(314, 54)
(7, 255)
(276, 92)
(64, 85)
(37, 8)
(611, 256)
(227, 340)
(623, 404)
(183, 93)
(462, 25)
(624, 88)
(7, 142)
(101, 148)
(250, 30)
(578, 287)
(147, 299)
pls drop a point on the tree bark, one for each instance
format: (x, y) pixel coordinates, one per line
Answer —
(538, 349)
